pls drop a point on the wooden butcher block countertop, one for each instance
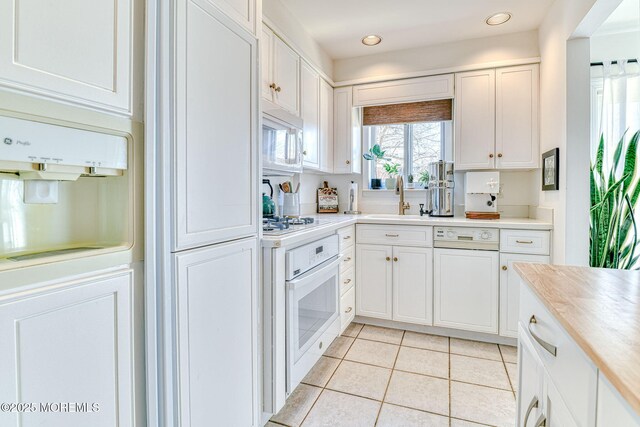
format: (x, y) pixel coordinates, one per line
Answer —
(600, 309)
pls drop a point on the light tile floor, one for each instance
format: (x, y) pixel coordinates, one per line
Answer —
(374, 376)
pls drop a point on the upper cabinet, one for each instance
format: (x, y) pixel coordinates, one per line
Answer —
(326, 127)
(280, 72)
(310, 109)
(242, 11)
(214, 56)
(347, 132)
(74, 51)
(404, 90)
(496, 119)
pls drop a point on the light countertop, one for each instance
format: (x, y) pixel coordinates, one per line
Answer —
(328, 223)
(600, 309)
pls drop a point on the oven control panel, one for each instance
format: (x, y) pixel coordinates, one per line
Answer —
(304, 258)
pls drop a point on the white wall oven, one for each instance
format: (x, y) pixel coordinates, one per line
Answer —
(312, 305)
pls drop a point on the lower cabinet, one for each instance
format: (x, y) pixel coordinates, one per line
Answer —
(510, 290)
(394, 282)
(72, 342)
(466, 289)
(217, 335)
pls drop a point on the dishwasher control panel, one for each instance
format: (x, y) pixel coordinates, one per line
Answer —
(466, 238)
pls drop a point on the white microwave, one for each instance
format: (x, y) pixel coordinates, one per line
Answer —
(281, 146)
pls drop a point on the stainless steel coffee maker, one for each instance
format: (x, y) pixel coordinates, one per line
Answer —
(440, 189)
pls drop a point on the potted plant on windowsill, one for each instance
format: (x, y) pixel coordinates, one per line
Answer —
(410, 183)
(424, 179)
(375, 153)
(392, 170)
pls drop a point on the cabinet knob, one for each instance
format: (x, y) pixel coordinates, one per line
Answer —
(504, 267)
(273, 86)
(499, 154)
(491, 156)
(348, 310)
(388, 259)
(304, 152)
(395, 258)
(278, 89)
(348, 162)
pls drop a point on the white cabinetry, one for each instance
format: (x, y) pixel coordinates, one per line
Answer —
(530, 383)
(280, 72)
(326, 127)
(210, 127)
(404, 90)
(466, 289)
(496, 119)
(70, 342)
(76, 51)
(347, 132)
(394, 282)
(217, 334)
(310, 109)
(346, 236)
(613, 409)
(242, 11)
(510, 290)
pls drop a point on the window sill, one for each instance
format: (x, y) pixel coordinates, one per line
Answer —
(384, 190)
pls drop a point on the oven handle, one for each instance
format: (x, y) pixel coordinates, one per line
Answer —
(311, 275)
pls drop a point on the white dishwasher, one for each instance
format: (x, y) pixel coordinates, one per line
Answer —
(466, 278)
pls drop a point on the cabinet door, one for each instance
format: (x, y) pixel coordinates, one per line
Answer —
(556, 413)
(77, 51)
(216, 129)
(326, 127)
(466, 290)
(530, 383)
(613, 409)
(70, 343)
(347, 132)
(517, 94)
(413, 285)
(373, 281)
(241, 11)
(310, 108)
(474, 135)
(266, 63)
(285, 75)
(510, 290)
(217, 334)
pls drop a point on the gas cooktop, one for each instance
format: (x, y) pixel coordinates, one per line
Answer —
(276, 226)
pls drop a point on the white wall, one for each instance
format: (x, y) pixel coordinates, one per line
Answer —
(287, 25)
(560, 24)
(609, 47)
(463, 53)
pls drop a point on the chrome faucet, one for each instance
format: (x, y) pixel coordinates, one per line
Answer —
(402, 205)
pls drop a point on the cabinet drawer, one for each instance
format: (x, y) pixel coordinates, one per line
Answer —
(348, 258)
(347, 308)
(347, 280)
(401, 235)
(524, 242)
(347, 237)
(570, 370)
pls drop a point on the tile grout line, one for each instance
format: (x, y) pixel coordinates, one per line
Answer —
(384, 396)
(504, 364)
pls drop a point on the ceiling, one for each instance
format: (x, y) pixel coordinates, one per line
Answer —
(338, 25)
(625, 18)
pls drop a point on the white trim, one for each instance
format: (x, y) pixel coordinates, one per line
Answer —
(437, 71)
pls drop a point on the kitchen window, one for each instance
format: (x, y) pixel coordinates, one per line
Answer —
(408, 147)
(411, 135)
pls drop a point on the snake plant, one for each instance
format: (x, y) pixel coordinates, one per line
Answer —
(614, 197)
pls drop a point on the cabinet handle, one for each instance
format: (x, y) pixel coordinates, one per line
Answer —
(348, 310)
(346, 282)
(273, 86)
(550, 348)
(388, 259)
(499, 154)
(304, 152)
(392, 235)
(346, 237)
(278, 89)
(491, 156)
(348, 162)
(533, 404)
(525, 242)
(395, 258)
(542, 421)
(347, 259)
(320, 345)
(504, 267)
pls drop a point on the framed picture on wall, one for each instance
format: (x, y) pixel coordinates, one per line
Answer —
(550, 170)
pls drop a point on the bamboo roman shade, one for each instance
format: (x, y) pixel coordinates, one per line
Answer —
(414, 112)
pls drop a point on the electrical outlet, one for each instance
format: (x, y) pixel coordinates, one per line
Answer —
(500, 193)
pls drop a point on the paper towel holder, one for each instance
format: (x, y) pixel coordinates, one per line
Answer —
(353, 204)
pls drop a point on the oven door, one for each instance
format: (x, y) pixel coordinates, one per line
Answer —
(312, 310)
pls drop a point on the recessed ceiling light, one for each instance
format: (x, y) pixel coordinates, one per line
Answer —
(498, 18)
(371, 40)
